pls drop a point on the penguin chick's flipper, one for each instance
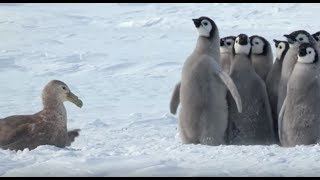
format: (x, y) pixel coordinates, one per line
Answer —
(175, 99)
(226, 79)
(280, 119)
(72, 135)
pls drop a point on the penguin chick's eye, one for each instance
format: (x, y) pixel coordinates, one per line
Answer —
(256, 42)
(205, 23)
(64, 88)
(309, 52)
(237, 41)
(280, 47)
(228, 43)
(300, 39)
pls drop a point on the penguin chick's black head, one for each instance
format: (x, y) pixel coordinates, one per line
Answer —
(302, 51)
(227, 41)
(221, 42)
(298, 36)
(205, 26)
(281, 49)
(243, 39)
(307, 53)
(276, 42)
(316, 36)
(257, 47)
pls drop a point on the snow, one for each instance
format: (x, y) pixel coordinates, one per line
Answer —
(123, 61)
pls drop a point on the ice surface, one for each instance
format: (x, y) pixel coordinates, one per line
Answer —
(123, 61)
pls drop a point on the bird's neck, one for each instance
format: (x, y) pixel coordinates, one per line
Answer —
(209, 46)
(54, 110)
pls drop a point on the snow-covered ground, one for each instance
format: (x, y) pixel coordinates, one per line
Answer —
(123, 61)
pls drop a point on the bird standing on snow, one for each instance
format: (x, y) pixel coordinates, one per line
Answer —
(203, 116)
(299, 119)
(254, 125)
(294, 39)
(273, 79)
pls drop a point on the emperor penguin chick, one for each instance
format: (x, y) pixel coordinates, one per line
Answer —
(294, 39)
(254, 125)
(261, 56)
(299, 119)
(226, 45)
(203, 115)
(273, 79)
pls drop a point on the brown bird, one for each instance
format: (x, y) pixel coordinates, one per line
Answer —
(47, 127)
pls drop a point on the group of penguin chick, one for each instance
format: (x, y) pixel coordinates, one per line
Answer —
(231, 92)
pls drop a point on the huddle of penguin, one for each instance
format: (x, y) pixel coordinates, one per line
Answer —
(231, 91)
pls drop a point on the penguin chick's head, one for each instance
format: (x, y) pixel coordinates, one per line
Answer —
(281, 48)
(226, 44)
(298, 37)
(259, 45)
(307, 54)
(242, 45)
(205, 26)
(316, 36)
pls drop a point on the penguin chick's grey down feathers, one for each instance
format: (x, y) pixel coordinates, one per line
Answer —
(254, 125)
(203, 115)
(299, 118)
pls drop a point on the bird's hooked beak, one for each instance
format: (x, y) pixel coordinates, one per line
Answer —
(197, 22)
(74, 99)
(290, 38)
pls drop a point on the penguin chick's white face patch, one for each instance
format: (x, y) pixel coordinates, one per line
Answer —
(257, 46)
(280, 49)
(302, 38)
(227, 46)
(205, 28)
(242, 49)
(309, 57)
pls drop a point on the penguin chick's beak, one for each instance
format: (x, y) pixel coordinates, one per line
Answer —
(302, 52)
(290, 39)
(196, 22)
(74, 99)
(221, 42)
(276, 42)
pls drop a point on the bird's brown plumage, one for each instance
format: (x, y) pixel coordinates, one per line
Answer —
(47, 127)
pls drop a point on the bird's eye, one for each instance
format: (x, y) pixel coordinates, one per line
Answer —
(64, 88)
(228, 43)
(280, 47)
(237, 41)
(309, 52)
(300, 39)
(205, 23)
(256, 42)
